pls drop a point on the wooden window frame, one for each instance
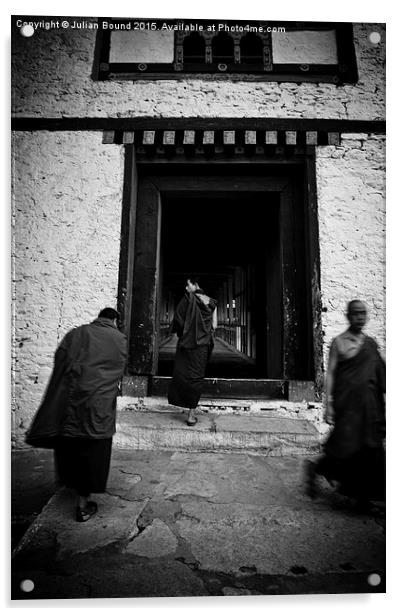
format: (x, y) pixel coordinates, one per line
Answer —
(345, 71)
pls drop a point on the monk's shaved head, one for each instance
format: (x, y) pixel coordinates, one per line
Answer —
(356, 304)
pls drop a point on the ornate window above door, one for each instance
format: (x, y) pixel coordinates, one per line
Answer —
(286, 51)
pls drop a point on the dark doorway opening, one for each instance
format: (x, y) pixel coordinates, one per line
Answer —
(232, 244)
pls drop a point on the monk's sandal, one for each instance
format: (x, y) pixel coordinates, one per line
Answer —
(83, 515)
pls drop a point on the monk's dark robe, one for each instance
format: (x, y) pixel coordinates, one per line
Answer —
(193, 324)
(354, 451)
(77, 417)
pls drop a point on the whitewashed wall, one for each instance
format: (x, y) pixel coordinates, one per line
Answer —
(52, 78)
(66, 216)
(351, 210)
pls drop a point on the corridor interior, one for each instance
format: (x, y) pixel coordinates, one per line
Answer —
(231, 243)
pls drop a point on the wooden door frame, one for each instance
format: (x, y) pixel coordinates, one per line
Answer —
(144, 185)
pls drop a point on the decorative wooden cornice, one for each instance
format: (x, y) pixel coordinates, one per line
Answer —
(228, 139)
(181, 137)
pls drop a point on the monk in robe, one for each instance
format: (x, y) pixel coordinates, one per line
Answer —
(194, 322)
(354, 455)
(77, 415)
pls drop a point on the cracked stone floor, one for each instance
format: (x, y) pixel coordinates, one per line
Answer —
(196, 524)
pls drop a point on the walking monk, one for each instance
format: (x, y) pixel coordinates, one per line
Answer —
(193, 322)
(77, 415)
(354, 453)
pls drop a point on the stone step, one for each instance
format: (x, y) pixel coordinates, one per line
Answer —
(163, 429)
(311, 411)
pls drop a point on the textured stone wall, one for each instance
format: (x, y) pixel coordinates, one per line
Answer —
(351, 209)
(66, 243)
(52, 78)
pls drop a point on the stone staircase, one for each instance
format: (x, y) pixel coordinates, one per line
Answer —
(274, 428)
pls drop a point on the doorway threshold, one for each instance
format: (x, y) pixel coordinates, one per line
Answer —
(254, 389)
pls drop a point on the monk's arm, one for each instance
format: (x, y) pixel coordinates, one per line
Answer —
(215, 319)
(61, 354)
(330, 379)
(179, 317)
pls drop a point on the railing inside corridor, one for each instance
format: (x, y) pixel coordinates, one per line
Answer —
(165, 331)
(233, 334)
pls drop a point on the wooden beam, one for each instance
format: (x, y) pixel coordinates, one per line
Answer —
(144, 327)
(151, 123)
(169, 137)
(311, 137)
(169, 183)
(267, 389)
(127, 231)
(108, 136)
(294, 282)
(189, 137)
(128, 137)
(148, 137)
(315, 354)
(250, 137)
(271, 137)
(208, 137)
(333, 139)
(229, 137)
(291, 137)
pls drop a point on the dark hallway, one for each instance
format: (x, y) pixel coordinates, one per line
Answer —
(232, 245)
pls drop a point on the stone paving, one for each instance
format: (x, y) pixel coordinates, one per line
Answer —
(194, 524)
